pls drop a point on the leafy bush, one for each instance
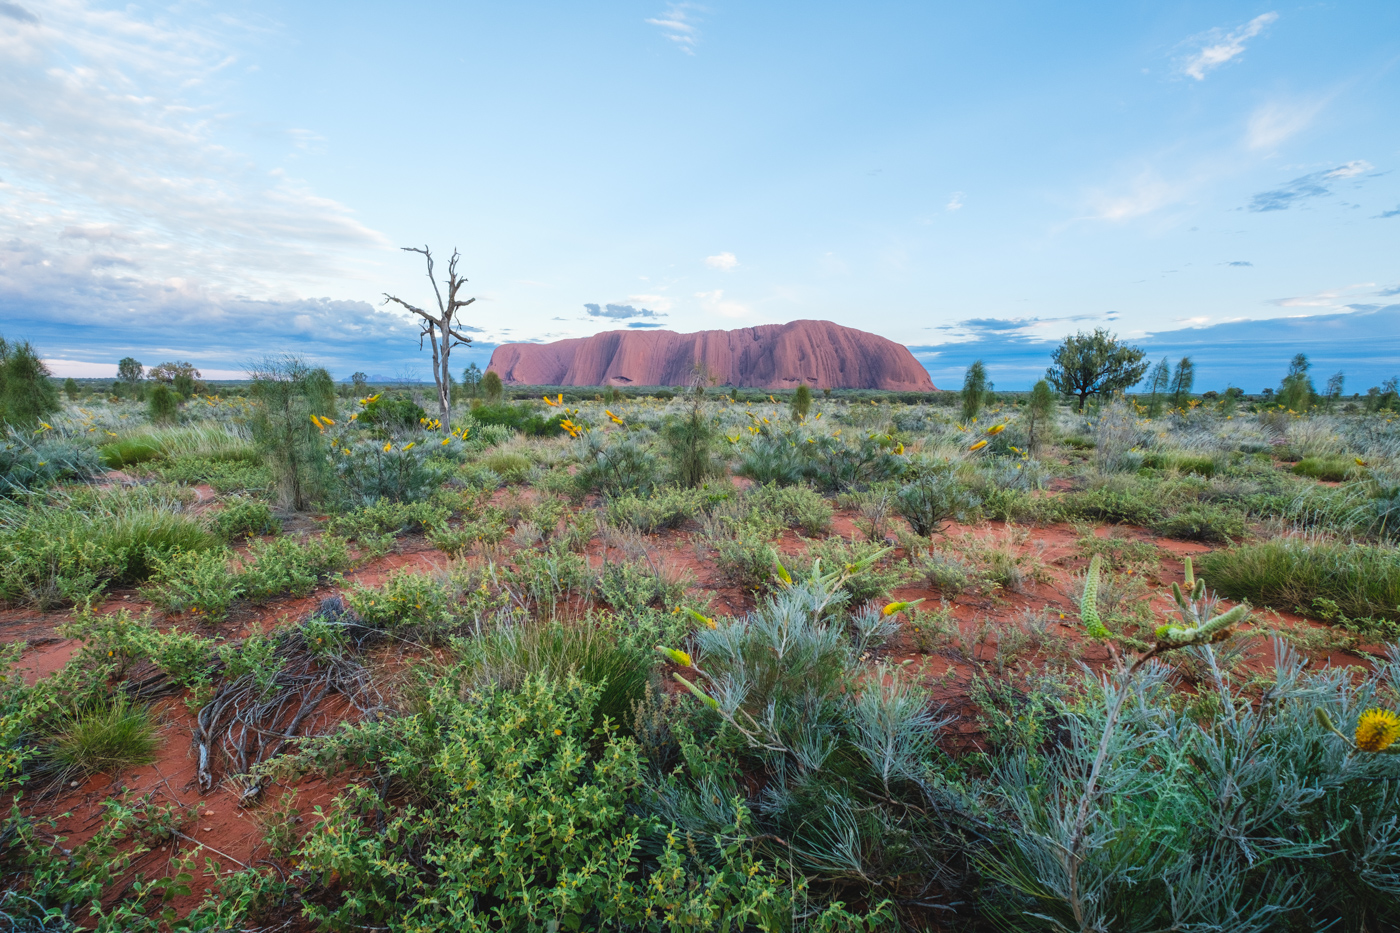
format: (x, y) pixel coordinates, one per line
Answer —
(129, 451)
(796, 506)
(1206, 522)
(27, 392)
(931, 496)
(1362, 580)
(285, 566)
(838, 555)
(163, 406)
(524, 418)
(635, 583)
(510, 773)
(290, 395)
(387, 517)
(201, 582)
(612, 467)
(663, 508)
(427, 607)
(393, 413)
(948, 573)
(370, 470)
(223, 476)
(64, 550)
(245, 518)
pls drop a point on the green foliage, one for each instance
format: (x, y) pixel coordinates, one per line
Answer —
(524, 417)
(689, 439)
(66, 549)
(369, 470)
(1094, 364)
(285, 566)
(387, 517)
(27, 393)
(1183, 378)
(130, 370)
(201, 582)
(492, 387)
(801, 401)
(103, 737)
(427, 607)
(288, 393)
(974, 390)
(795, 506)
(244, 518)
(71, 389)
(631, 584)
(613, 466)
(393, 413)
(1362, 580)
(223, 476)
(511, 773)
(1204, 522)
(1297, 391)
(852, 782)
(510, 465)
(931, 495)
(31, 464)
(669, 507)
(1206, 825)
(1040, 418)
(163, 405)
(837, 554)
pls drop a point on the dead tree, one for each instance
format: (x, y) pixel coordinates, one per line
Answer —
(441, 330)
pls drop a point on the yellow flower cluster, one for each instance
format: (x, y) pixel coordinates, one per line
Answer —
(1377, 730)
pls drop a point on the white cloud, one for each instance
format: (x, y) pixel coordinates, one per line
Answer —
(1147, 193)
(678, 24)
(1272, 123)
(724, 261)
(715, 303)
(955, 203)
(1221, 48)
(111, 149)
(1333, 298)
(659, 303)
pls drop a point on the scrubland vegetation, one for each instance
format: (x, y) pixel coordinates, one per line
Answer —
(296, 656)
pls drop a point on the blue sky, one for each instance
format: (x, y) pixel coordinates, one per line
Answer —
(217, 182)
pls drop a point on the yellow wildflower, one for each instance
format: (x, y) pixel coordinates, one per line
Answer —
(979, 445)
(388, 446)
(1377, 730)
(408, 446)
(997, 428)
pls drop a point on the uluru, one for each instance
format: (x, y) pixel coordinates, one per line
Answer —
(820, 354)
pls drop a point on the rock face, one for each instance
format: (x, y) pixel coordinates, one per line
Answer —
(771, 356)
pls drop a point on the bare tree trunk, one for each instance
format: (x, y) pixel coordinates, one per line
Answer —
(441, 330)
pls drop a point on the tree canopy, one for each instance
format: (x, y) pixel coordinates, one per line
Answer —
(1094, 364)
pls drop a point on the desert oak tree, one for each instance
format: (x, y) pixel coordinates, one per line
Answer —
(1094, 364)
(440, 329)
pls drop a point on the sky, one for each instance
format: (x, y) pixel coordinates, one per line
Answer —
(223, 182)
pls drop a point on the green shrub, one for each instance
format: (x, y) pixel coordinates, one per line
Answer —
(1182, 462)
(245, 518)
(201, 582)
(1268, 822)
(27, 392)
(511, 773)
(1333, 469)
(948, 573)
(288, 394)
(836, 553)
(223, 476)
(931, 496)
(611, 467)
(1362, 580)
(663, 508)
(393, 413)
(163, 406)
(796, 506)
(427, 607)
(745, 556)
(387, 517)
(103, 737)
(524, 418)
(285, 566)
(1204, 522)
(510, 466)
(1135, 506)
(635, 583)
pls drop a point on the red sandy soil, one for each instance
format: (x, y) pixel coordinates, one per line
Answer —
(233, 836)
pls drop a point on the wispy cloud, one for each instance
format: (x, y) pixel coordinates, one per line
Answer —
(1218, 47)
(678, 24)
(1146, 193)
(1274, 122)
(1239, 262)
(114, 164)
(640, 324)
(1384, 214)
(1303, 188)
(715, 303)
(1332, 299)
(619, 312)
(725, 261)
(955, 203)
